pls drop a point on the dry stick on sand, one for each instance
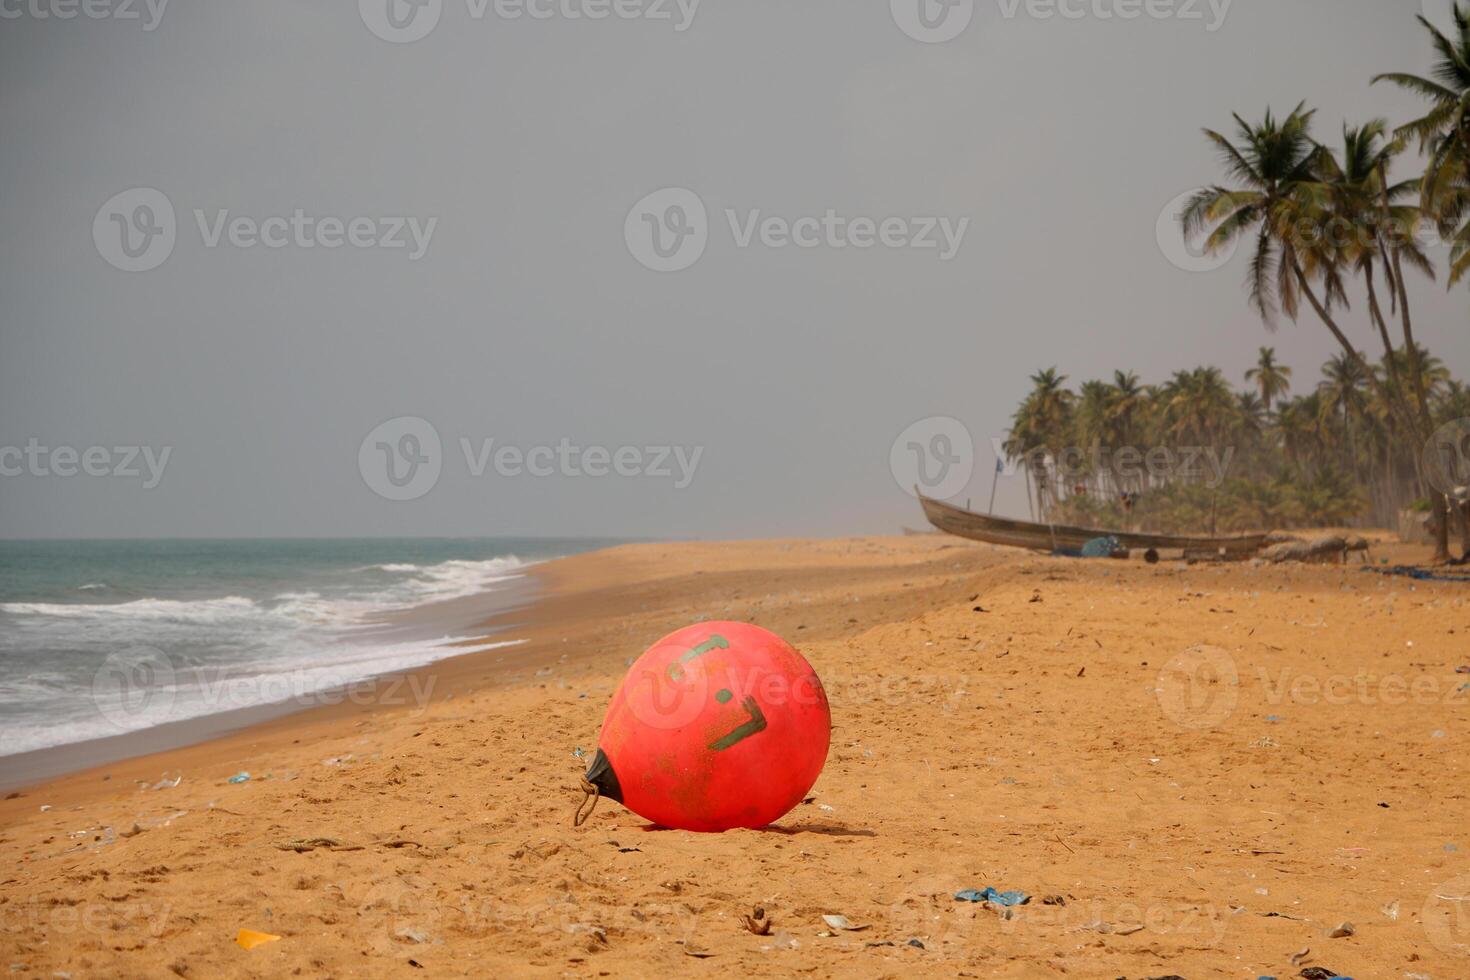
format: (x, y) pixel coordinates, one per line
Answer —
(303, 844)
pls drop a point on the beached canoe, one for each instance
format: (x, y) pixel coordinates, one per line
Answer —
(1061, 537)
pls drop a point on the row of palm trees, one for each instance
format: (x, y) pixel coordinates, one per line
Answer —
(1257, 457)
(1323, 222)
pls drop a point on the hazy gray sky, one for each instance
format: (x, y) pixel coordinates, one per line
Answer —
(528, 319)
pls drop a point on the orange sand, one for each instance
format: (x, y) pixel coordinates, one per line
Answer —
(1098, 732)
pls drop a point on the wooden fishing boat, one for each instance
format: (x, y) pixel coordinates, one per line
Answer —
(1061, 537)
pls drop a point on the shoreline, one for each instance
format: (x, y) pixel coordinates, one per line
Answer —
(568, 595)
(533, 602)
(477, 617)
(999, 719)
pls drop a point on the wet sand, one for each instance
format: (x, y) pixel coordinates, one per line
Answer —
(1212, 767)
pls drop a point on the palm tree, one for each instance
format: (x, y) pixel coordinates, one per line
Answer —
(1299, 421)
(1444, 132)
(1454, 402)
(1251, 414)
(1341, 389)
(1290, 470)
(1285, 206)
(1039, 427)
(1273, 160)
(1291, 210)
(1366, 220)
(1272, 378)
(1434, 372)
(1093, 411)
(1199, 406)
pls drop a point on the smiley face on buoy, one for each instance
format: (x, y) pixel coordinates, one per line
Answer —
(716, 726)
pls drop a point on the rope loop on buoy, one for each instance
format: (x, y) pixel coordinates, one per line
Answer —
(591, 792)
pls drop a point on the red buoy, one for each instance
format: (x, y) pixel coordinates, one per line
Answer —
(716, 726)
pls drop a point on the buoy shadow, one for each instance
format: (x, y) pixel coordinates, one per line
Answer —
(824, 829)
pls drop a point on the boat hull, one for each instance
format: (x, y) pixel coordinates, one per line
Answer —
(1061, 537)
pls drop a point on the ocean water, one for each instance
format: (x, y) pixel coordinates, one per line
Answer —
(98, 638)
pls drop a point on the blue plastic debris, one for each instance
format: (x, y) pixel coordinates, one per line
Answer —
(992, 896)
(240, 777)
(1422, 574)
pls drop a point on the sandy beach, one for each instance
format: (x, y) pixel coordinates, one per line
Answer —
(1193, 770)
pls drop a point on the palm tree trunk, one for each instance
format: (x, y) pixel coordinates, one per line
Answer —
(1416, 372)
(1352, 352)
(1376, 312)
(1441, 531)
